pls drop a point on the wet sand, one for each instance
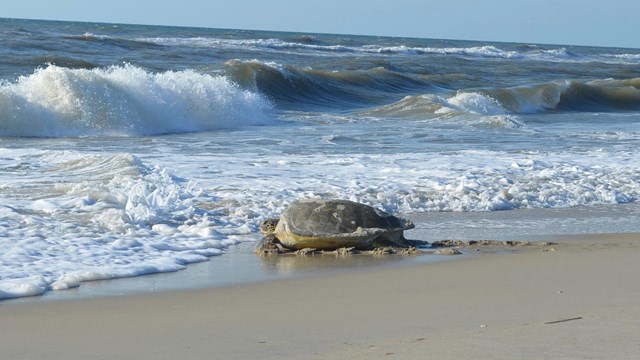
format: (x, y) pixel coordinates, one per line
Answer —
(577, 299)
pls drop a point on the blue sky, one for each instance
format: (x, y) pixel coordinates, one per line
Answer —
(571, 22)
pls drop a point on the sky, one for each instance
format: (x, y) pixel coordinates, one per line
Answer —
(611, 23)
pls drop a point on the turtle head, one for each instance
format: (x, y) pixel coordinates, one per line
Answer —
(268, 226)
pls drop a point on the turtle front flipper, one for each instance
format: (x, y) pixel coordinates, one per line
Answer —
(270, 245)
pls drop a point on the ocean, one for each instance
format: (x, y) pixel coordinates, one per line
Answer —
(128, 150)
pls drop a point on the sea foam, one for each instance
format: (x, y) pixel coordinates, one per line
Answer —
(93, 217)
(124, 100)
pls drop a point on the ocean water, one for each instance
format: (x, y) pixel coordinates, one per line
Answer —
(130, 150)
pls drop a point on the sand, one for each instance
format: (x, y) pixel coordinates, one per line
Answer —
(579, 299)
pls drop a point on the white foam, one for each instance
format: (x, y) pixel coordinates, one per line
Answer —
(28, 286)
(462, 102)
(125, 100)
(456, 181)
(456, 108)
(474, 103)
(112, 217)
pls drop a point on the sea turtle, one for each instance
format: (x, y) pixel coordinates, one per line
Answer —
(333, 224)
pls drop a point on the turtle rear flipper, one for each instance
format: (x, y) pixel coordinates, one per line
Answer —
(385, 241)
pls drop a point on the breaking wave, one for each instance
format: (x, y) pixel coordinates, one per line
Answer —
(124, 101)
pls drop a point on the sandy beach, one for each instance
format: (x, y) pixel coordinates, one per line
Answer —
(578, 299)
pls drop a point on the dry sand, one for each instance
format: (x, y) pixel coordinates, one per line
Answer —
(579, 301)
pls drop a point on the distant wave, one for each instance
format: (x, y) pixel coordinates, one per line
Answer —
(251, 44)
(634, 58)
(474, 51)
(309, 43)
(123, 101)
(132, 44)
(63, 61)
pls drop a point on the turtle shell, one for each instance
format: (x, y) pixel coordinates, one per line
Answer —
(332, 224)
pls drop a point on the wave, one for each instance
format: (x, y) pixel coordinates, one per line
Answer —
(303, 87)
(566, 96)
(598, 95)
(124, 101)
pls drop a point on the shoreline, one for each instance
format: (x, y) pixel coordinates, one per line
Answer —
(239, 265)
(577, 301)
